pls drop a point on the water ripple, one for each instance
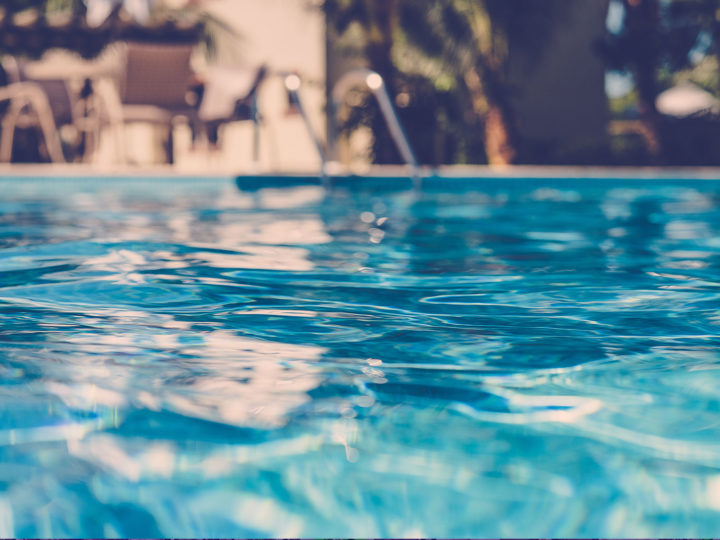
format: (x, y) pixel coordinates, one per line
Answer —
(499, 359)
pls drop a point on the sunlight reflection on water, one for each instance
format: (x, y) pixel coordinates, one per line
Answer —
(184, 358)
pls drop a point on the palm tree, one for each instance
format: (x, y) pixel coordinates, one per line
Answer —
(378, 21)
(473, 45)
(638, 48)
(458, 46)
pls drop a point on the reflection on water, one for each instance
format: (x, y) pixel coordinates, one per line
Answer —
(184, 358)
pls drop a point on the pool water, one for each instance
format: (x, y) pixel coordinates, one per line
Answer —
(491, 357)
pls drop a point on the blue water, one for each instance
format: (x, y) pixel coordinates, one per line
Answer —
(521, 358)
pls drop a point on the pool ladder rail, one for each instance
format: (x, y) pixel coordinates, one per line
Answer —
(352, 79)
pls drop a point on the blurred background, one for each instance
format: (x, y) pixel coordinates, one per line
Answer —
(249, 84)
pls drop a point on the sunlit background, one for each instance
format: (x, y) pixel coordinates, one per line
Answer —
(615, 82)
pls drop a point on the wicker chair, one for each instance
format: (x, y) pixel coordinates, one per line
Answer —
(155, 85)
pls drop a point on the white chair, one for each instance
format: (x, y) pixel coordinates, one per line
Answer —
(28, 107)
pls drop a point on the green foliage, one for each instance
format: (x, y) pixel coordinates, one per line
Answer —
(427, 45)
(624, 105)
(47, 7)
(705, 74)
(213, 29)
(30, 27)
(685, 31)
(663, 43)
(458, 49)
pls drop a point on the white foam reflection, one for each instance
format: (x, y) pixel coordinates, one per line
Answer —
(687, 230)
(533, 409)
(7, 527)
(233, 380)
(278, 199)
(260, 257)
(557, 195)
(309, 230)
(122, 264)
(713, 493)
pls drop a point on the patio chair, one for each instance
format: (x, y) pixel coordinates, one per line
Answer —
(154, 87)
(231, 95)
(81, 93)
(29, 106)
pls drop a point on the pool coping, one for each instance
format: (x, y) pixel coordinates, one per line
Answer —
(385, 172)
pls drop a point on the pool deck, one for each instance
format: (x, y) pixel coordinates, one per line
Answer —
(377, 172)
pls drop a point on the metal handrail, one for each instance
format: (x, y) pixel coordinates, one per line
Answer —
(375, 83)
(292, 85)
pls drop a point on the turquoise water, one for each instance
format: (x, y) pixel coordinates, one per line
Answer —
(519, 358)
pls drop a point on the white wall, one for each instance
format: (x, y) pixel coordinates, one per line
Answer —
(288, 35)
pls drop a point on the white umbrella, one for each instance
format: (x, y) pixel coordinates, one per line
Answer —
(685, 99)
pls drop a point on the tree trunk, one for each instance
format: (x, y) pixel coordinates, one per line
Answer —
(642, 18)
(490, 100)
(499, 145)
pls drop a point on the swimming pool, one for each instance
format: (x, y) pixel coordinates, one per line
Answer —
(472, 357)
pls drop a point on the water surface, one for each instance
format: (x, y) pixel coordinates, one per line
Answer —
(517, 358)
